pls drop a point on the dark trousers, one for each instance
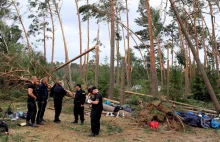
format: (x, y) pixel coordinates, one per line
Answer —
(58, 108)
(32, 110)
(95, 120)
(41, 110)
(78, 111)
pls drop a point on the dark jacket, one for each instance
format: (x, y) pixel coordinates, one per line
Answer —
(58, 92)
(43, 92)
(80, 97)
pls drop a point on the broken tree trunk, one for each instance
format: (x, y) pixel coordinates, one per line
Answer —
(57, 68)
(199, 64)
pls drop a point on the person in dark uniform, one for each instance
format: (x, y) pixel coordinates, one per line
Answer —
(42, 100)
(31, 102)
(97, 108)
(58, 92)
(79, 101)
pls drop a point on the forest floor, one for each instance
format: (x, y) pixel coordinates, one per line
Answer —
(112, 129)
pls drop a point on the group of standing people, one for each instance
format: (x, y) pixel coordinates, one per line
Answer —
(38, 96)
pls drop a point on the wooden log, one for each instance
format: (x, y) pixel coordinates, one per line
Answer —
(205, 113)
(201, 110)
(111, 109)
(112, 101)
(57, 68)
(177, 103)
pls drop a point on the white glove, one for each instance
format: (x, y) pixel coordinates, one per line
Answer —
(89, 101)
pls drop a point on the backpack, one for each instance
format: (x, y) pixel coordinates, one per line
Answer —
(117, 108)
(3, 126)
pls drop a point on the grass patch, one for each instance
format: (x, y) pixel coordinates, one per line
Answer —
(112, 129)
(78, 128)
(18, 138)
(188, 129)
(68, 109)
(148, 130)
(11, 138)
(4, 138)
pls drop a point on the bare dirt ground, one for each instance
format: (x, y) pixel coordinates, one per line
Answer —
(112, 130)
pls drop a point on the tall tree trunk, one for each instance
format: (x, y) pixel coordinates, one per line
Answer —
(112, 53)
(186, 66)
(45, 48)
(123, 36)
(88, 41)
(117, 50)
(190, 66)
(122, 81)
(80, 35)
(172, 50)
(168, 72)
(22, 24)
(204, 46)
(84, 67)
(190, 70)
(154, 83)
(199, 64)
(128, 54)
(214, 46)
(195, 30)
(97, 60)
(53, 32)
(161, 64)
(68, 70)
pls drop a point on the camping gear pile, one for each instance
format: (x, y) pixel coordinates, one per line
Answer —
(158, 111)
(117, 110)
(200, 120)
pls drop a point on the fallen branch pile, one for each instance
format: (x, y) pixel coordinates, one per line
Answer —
(159, 111)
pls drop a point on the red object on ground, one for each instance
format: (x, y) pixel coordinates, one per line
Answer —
(154, 124)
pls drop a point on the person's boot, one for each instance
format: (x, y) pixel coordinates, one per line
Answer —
(82, 122)
(40, 123)
(28, 123)
(57, 121)
(92, 135)
(75, 122)
(34, 125)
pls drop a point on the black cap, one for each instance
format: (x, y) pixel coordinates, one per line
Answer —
(93, 88)
(79, 85)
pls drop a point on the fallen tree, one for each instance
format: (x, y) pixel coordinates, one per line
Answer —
(186, 106)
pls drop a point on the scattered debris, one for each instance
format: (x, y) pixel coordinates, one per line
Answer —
(158, 111)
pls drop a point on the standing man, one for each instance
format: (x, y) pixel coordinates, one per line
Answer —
(58, 92)
(31, 102)
(79, 101)
(97, 108)
(42, 100)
